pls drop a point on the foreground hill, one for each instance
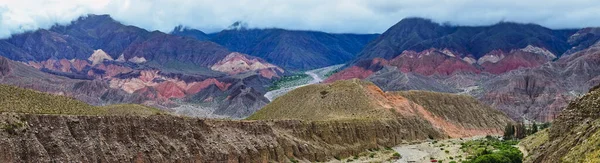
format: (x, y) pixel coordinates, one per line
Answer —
(574, 135)
(453, 115)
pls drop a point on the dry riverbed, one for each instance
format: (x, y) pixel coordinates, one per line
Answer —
(425, 152)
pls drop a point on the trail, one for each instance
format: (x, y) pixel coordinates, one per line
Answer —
(276, 93)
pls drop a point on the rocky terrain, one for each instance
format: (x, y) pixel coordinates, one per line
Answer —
(52, 128)
(525, 70)
(573, 137)
(101, 61)
(55, 138)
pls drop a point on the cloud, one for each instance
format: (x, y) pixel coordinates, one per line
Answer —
(338, 16)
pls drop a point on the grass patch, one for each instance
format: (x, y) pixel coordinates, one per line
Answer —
(492, 150)
(290, 81)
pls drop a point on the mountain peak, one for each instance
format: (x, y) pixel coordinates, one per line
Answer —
(94, 17)
(238, 25)
(185, 31)
(413, 20)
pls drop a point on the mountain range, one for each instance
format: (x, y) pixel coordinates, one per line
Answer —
(290, 49)
(528, 71)
(525, 70)
(98, 53)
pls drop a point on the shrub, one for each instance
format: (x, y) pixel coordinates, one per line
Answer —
(293, 160)
(372, 155)
(447, 151)
(397, 155)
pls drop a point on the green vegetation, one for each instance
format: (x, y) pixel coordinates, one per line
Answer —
(290, 81)
(492, 150)
(521, 130)
(19, 100)
(12, 127)
(397, 155)
(293, 160)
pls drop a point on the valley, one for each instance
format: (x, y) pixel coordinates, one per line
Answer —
(96, 86)
(316, 76)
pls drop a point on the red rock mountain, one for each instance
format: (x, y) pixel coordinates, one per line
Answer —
(163, 70)
(527, 71)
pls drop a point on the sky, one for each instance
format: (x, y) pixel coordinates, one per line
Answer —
(335, 16)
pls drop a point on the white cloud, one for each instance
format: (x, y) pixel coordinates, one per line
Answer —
(340, 16)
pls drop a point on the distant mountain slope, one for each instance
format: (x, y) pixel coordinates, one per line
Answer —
(295, 50)
(101, 61)
(454, 115)
(418, 34)
(116, 39)
(524, 84)
(423, 46)
(94, 92)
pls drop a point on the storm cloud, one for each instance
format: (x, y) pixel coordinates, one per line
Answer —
(337, 16)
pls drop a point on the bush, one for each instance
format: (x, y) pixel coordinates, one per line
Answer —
(356, 157)
(349, 160)
(293, 160)
(372, 155)
(447, 151)
(397, 155)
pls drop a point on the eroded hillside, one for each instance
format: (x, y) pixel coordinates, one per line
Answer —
(574, 135)
(452, 115)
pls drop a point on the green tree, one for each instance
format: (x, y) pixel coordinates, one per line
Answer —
(534, 128)
(509, 131)
(520, 131)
